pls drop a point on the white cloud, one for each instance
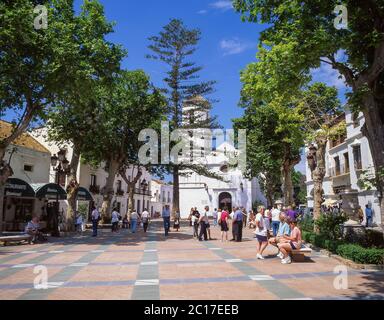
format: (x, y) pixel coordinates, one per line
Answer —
(202, 12)
(222, 5)
(329, 76)
(235, 46)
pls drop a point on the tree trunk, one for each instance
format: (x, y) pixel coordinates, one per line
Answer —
(108, 190)
(5, 172)
(131, 187)
(286, 170)
(318, 177)
(176, 191)
(287, 185)
(269, 189)
(72, 188)
(373, 129)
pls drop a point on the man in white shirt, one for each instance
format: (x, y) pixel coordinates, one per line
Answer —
(145, 219)
(95, 220)
(275, 220)
(203, 221)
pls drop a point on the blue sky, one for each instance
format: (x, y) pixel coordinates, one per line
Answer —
(226, 47)
(227, 44)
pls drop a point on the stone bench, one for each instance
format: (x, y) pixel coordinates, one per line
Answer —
(298, 255)
(16, 238)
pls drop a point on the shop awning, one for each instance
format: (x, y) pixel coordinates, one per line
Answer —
(83, 194)
(49, 191)
(18, 188)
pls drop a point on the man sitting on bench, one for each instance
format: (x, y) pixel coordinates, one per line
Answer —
(32, 228)
(294, 242)
(284, 230)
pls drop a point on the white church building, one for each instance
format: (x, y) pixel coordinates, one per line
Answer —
(215, 153)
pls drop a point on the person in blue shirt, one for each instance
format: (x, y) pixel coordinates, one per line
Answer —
(166, 215)
(284, 230)
(368, 216)
(238, 224)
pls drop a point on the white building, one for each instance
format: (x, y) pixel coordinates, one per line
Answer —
(200, 191)
(93, 179)
(347, 158)
(162, 195)
(27, 191)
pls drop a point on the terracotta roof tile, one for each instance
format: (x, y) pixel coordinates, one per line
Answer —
(25, 140)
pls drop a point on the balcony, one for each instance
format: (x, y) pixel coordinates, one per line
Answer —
(338, 171)
(142, 192)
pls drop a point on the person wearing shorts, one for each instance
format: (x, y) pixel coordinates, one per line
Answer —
(224, 224)
(294, 242)
(261, 234)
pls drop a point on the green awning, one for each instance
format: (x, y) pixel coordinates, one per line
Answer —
(83, 194)
(18, 188)
(49, 191)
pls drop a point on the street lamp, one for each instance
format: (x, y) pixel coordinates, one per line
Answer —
(60, 165)
(144, 186)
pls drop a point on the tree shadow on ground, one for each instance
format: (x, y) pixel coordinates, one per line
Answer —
(371, 289)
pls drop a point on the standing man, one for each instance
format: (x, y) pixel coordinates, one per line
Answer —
(275, 220)
(95, 221)
(203, 221)
(368, 215)
(238, 224)
(145, 219)
(115, 220)
(166, 214)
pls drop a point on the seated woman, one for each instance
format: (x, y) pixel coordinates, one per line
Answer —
(294, 242)
(284, 230)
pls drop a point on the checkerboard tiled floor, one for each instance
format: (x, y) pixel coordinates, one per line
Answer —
(150, 266)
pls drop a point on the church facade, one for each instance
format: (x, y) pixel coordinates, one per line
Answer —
(234, 190)
(216, 152)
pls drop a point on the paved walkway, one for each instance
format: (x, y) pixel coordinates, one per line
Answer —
(150, 266)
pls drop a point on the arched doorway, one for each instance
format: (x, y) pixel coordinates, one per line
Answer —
(225, 200)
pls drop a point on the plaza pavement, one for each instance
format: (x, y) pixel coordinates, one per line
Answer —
(150, 266)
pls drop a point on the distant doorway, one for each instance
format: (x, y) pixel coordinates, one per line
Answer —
(225, 200)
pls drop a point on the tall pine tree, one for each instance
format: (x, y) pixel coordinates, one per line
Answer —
(186, 93)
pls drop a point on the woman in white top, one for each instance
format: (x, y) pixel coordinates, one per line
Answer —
(261, 234)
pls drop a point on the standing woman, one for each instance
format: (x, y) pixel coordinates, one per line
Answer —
(176, 221)
(223, 222)
(261, 234)
(134, 219)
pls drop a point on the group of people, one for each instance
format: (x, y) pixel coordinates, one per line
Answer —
(200, 223)
(279, 228)
(131, 221)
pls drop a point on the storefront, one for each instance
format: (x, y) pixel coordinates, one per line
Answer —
(20, 204)
(23, 200)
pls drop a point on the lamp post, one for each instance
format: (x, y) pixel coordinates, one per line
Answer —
(144, 186)
(60, 165)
